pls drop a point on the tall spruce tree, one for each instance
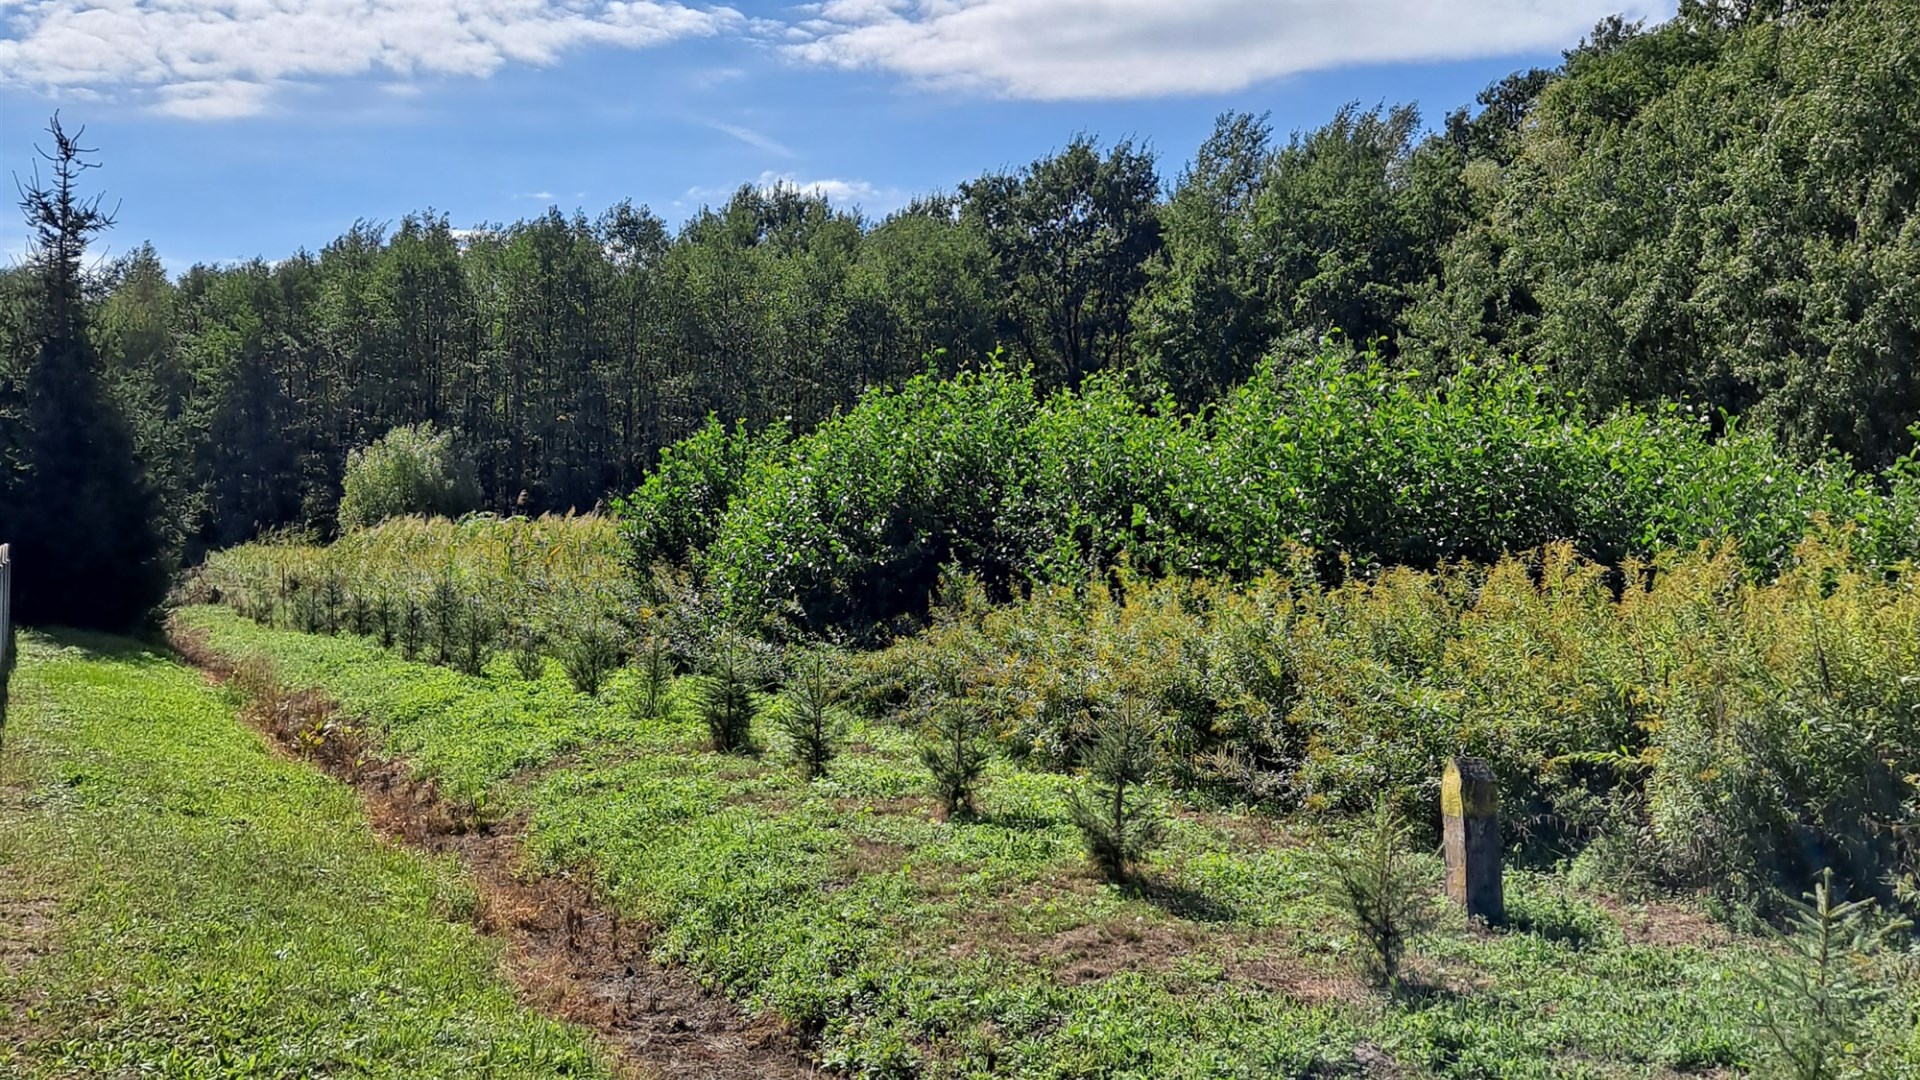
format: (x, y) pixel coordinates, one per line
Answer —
(82, 516)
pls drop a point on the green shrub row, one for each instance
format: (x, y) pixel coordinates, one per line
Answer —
(851, 524)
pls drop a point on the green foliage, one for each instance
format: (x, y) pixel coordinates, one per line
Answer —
(1813, 995)
(955, 748)
(1716, 208)
(966, 949)
(1116, 820)
(809, 714)
(456, 592)
(81, 513)
(589, 654)
(1268, 247)
(1715, 727)
(851, 524)
(656, 678)
(678, 509)
(410, 470)
(524, 642)
(726, 701)
(1069, 238)
(1380, 891)
(855, 521)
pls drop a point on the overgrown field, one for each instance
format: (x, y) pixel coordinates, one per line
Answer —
(986, 731)
(904, 944)
(176, 901)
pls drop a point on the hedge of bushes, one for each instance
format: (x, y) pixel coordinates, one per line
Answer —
(850, 525)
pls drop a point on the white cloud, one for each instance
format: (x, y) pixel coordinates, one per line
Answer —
(1084, 49)
(755, 139)
(209, 59)
(846, 193)
(871, 198)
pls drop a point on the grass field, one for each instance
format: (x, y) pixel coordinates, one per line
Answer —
(903, 945)
(180, 902)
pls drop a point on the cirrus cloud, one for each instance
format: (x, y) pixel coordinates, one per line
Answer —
(215, 59)
(1109, 49)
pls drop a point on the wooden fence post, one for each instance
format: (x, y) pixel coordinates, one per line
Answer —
(6, 626)
(1470, 808)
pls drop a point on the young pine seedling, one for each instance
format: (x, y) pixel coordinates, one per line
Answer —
(726, 701)
(656, 677)
(1811, 996)
(1117, 821)
(810, 716)
(1381, 891)
(956, 748)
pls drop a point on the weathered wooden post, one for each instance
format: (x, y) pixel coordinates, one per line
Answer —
(1470, 807)
(6, 626)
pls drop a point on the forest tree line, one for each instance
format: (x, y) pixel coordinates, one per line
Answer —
(1718, 209)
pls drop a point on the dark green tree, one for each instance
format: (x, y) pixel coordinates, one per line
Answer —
(1069, 238)
(955, 747)
(810, 716)
(83, 518)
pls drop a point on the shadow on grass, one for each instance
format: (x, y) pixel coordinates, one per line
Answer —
(97, 645)
(1181, 902)
(1417, 991)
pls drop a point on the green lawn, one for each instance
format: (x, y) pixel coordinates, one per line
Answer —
(911, 946)
(179, 902)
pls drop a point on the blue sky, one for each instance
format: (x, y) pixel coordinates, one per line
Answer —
(234, 128)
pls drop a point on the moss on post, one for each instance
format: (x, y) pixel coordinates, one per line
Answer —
(1470, 809)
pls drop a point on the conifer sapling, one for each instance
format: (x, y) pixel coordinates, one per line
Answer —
(726, 701)
(811, 718)
(1117, 820)
(955, 749)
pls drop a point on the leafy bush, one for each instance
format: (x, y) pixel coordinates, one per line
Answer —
(677, 510)
(409, 470)
(854, 521)
(851, 524)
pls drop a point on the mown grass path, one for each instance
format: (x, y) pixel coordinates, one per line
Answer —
(182, 902)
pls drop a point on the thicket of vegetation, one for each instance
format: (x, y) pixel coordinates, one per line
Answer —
(454, 593)
(1687, 721)
(1329, 464)
(1718, 209)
